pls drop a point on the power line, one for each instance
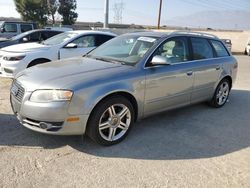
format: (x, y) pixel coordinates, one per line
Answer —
(90, 8)
(218, 4)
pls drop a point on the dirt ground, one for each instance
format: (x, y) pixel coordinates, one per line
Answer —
(196, 146)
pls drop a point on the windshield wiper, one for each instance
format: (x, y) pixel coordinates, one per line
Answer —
(108, 60)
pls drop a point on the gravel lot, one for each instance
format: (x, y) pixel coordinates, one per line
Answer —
(196, 146)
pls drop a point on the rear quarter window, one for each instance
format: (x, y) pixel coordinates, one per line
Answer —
(219, 48)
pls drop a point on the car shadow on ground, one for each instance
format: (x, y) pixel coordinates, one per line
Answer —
(192, 132)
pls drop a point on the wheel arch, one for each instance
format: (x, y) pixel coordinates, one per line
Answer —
(38, 61)
(124, 94)
(229, 78)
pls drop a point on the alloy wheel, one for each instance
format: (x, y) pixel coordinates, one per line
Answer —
(114, 122)
(222, 93)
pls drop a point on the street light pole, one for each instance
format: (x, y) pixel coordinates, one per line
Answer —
(106, 14)
(159, 16)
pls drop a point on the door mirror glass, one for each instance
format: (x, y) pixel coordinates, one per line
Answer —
(71, 45)
(159, 60)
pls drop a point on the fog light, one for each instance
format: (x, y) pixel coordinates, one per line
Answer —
(44, 125)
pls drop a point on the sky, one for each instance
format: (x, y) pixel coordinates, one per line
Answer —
(144, 12)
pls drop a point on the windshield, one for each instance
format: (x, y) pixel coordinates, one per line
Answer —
(17, 37)
(128, 49)
(59, 39)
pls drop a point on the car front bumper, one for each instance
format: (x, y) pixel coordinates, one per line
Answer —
(49, 118)
(9, 69)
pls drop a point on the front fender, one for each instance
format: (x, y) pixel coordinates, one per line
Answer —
(85, 100)
(103, 92)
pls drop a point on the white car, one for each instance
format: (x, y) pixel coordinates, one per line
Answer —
(247, 49)
(16, 58)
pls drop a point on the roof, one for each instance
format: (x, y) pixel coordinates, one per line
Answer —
(150, 34)
(175, 33)
(194, 34)
(91, 32)
(33, 30)
(18, 22)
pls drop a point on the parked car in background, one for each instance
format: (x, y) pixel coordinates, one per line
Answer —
(228, 44)
(37, 35)
(127, 78)
(16, 58)
(59, 28)
(9, 29)
(247, 49)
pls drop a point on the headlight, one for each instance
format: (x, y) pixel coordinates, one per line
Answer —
(51, 95)
(15, 58)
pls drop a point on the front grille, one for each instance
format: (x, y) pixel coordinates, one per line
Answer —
(17, 91)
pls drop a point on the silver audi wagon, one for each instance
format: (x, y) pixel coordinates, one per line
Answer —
(126, 79)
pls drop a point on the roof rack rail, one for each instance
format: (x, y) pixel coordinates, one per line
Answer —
(195, 33)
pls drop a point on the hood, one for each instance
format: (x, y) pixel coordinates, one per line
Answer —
(4, 40)
(27, 47)
(7, 43)
(66, 74)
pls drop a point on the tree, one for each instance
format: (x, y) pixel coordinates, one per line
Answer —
(33, 10)
(53, 6)
(67, 11)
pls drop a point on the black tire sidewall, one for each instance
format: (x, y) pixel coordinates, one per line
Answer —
(93, 123)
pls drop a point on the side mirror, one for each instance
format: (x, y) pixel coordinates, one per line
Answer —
(159, 60)
(2, 30)
(71, 45)
(25, 39)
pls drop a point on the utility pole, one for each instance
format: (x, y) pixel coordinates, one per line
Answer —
(106, 14)
(159, 16)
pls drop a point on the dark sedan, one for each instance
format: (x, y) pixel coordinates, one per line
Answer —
(29, 36)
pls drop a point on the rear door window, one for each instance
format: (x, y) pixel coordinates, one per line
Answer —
(201, 49)
(25, 27)
(219, 48)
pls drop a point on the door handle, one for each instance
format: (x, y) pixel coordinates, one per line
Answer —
(190, 73)
(217, 68)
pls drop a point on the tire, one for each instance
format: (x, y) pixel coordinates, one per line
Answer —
(221, 94)
(37, 62)
(105, 120)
